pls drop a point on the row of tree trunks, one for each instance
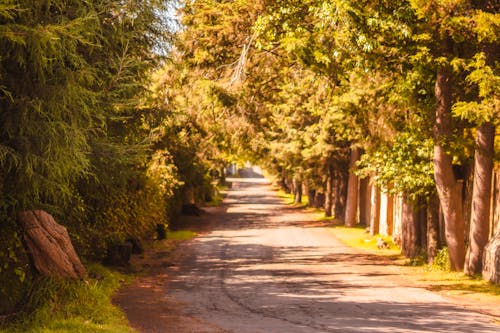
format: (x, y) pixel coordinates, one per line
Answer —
(357, 201)
(425, 230)
(413, 226)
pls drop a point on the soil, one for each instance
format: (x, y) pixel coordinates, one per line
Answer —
(261, 266)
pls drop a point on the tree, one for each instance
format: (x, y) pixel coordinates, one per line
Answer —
(483, 110)
(72, 138)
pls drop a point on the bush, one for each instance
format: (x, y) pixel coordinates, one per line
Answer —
(442, 260)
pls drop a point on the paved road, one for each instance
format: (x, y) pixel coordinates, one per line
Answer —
(265, 269)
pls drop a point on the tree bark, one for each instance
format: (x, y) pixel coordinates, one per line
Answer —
(311, 197)
(495, 205)
(449, 190)
(481, 193)
(339, 189)
(410, 238)
(364, 201)
(319, 200)
(50, 246)
(329, 192)
(374, 211)
(297, 191)
(352, 190)
(433, 242)
(491, 260)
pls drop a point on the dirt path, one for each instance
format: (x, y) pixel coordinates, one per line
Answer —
(266, 267)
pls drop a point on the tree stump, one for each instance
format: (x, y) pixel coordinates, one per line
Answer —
(491, 260)
(137, 247)
(161, 231)
(119, 254)
(49, 246)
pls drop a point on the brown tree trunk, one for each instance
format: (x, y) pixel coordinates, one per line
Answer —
(495, 205)
(319, 200)
(329, 192)
(433, 242)
(352, 191)
(422, 223)
(468, 177)
(311, 197)
(480, 217)
(339, 189)
(364, 201)
(374, 211)
(49, 246)
(410, 230)
(449, 190)
(298, 192)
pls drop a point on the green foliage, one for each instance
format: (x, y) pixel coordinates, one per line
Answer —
(404, 166)
(72, 306)
(181, 235)
(15, 273)
(359, 239)
(74, 134)
(486, 79)
(442, 260)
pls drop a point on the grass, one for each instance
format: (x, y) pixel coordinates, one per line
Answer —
(454, 283)
(61, 305)
(358, 238)
(68, 306)
(288, 199)
(181, 235)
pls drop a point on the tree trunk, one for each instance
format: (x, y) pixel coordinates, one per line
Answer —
(329, 192)
(319, 200)
(422, 223)
(449, 190)
(311, 197)
(433, 242)
(386, 214)
(339, 189)
(352, 190)
(297, 192)
(50, 246)
(398, 218)
(481, 193)
(364, 201)
(468, 177)
(491, 260)
(410, 228)
(374, 211)
(495, 205)
(222, 175)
